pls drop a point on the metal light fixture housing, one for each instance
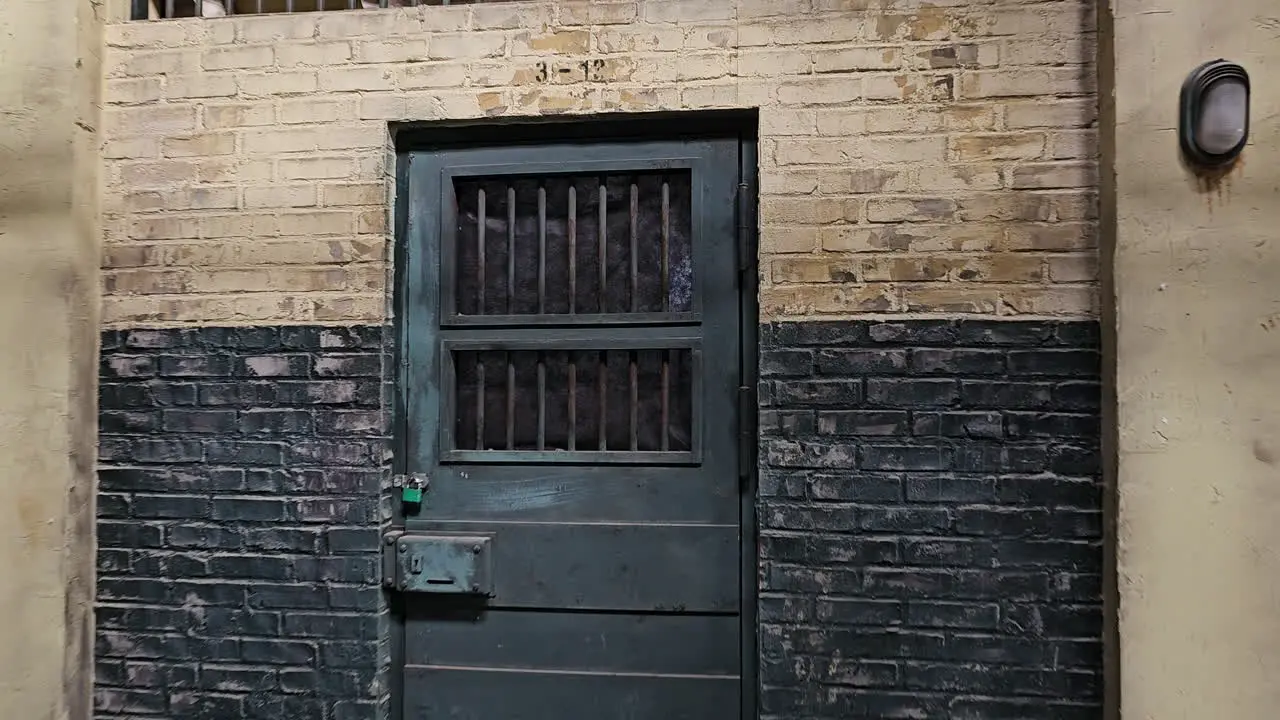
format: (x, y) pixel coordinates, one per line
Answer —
(1214, 118)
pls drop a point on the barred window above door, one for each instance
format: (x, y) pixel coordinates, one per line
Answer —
(162, 9)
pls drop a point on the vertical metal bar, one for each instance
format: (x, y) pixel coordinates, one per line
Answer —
(666, 403)
(480, 226)
(573, 248)
(602, 237)
(542, 401)
(666, 247)
(351, 4)
(168, 8)
(635, 243)
(635, 402)
(573, 402)
(542, 249)
(604, 401)
(139, 10)
(511, 401)
(259, 6)
(480, 400)
(231, 7)
(511, 248)
(288, 6)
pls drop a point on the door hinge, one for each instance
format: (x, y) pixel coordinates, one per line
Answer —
(745, 229)
(747, 416)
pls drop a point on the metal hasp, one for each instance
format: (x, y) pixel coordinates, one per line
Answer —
(440, 564)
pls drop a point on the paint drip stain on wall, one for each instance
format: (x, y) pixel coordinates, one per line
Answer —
(1216, 182)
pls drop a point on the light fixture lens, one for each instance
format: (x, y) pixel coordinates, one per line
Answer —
(1224, 116)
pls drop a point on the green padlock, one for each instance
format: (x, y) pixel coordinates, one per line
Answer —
(411, 495)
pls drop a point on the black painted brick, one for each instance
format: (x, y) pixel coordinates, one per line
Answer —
(238, 523)
(930, 510)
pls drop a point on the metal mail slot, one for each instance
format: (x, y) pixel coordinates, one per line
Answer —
(445, 564)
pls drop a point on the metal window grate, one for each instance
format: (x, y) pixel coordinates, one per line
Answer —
(561, 245)
(164, 9)
(637, 401)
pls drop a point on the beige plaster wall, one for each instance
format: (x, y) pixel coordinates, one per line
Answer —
(49, 78)
(916, 157)
(1197, 283)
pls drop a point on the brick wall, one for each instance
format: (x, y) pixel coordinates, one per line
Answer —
(914, 157)
(239, 524)
(930, 513)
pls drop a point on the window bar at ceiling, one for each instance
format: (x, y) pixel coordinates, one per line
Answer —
(511, 294)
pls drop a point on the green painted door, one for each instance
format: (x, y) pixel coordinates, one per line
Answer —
(572, 363)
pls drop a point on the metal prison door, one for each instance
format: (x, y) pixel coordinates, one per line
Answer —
(570, 387)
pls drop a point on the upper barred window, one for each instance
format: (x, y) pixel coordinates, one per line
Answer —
(161, 9)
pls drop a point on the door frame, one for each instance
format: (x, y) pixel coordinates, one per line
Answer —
(409, 138)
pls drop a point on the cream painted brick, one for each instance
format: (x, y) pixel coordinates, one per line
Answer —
(1026, 82)
(383, 106)
(828, 299)
(655, 38)
(484, 73)
(704, 66)
(957, 178)
(640, 98)
(860, 152)
(132, 91)
(1054, 19)
(392, 50)
(303, 54)
(1007, 206)
(591, 12)
(997, 146)
(1065, 50)
(710, 37)
(233, 169)
(770, 63)
(1051, 112)
(281, 83)
(802, 210)
(159, 120)
(654, 70)
(946, 298)
(131, 148)
(147, 35)
(835, 29)
(354, 194)
(285, 251)
(352, 79)
(445, 18)
(1073, 144)
(376, 23)
(152, 227)
(855, 59)
(323, 222)
(511, 16)
(1055, 300)
(788, 239)
(954, 55)
(1040, 176)
(885, 210)
(302, 139)
(316, 110)
(1050, 237)
(145, 64)
(157, 174)
(1080, 268)
(555, 42)
(240, 225)
(783, 122)
(316, 167)
(200, 86)
(439, 75)
(467, 46)
(909, 87)
(279, 196)
(822, 269)
(911, 119)
(238, 57)
(371, 222)
(204, 144)
(238, 115)
(681, 11)
(712, 95)
(820, 91)
(270, 29)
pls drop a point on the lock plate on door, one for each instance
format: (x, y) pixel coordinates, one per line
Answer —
(442, 564)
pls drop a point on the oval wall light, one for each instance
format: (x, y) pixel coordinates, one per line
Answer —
(1214, 118)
